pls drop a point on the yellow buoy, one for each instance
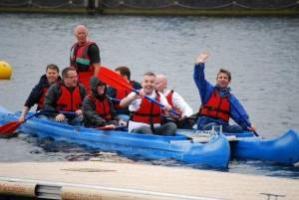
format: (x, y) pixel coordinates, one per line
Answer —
(5, 70)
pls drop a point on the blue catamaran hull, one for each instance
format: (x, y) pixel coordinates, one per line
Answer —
(215, 153)
(282, 150)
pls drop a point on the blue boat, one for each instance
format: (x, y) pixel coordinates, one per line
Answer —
(283, 150)
(201, 150)
(215, 153)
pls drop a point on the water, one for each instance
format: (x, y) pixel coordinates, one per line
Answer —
(261, 53)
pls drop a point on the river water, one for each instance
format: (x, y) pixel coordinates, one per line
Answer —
(262, 54)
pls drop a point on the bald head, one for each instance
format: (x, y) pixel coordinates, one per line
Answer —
(81, 33)
(161, 82)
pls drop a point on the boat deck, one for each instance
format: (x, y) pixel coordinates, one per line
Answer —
(108, 180)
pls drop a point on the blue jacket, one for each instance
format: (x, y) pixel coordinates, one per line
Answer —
(205, 89)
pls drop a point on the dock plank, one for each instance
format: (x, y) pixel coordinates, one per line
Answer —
(139, 181)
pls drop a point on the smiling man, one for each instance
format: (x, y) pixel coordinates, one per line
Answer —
(218, 103)
(145, 115)
(38, 93)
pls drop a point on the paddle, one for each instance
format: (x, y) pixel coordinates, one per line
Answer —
(117, 81)
(8, 130)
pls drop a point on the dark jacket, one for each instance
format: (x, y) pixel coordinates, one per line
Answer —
(37, 92)
(53, 96)
(91, 118)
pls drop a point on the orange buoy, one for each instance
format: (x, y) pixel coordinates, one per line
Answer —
(5, 70)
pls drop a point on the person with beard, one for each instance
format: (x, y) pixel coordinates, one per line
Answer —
(98, 109)
(218, 103)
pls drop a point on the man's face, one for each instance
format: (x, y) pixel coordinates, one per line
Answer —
(148, 84)
(161, 84)
(222, 80)
(71, 80)
(101, 89)
(81, 34)
(52, 75)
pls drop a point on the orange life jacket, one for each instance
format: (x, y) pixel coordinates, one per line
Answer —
(217, 107)
(41, 102)
(79, 55)
(102, 107)
(69, 101)
(148, 112)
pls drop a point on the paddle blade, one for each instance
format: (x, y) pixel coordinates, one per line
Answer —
(9, 129)
(113, 79)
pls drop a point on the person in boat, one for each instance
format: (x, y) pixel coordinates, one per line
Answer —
(98, 109)
(117, 94)
(38, 93)
(146, 116)
(218, 103)
(64, 99)
(85, 56)
(176, 101)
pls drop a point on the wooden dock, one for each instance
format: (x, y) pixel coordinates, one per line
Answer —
(127, 181)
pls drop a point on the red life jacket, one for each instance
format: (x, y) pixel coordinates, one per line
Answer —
(148, 112)
(102, 107)
(217, 107)
(169, 98)
(69, 101)
(41, 102)
(79, 55)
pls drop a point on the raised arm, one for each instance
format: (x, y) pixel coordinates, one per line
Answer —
(204, 87)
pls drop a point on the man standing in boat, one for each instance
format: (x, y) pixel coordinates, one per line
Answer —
(145, 115)
(218, 103)
(85, 56)
(64, 100)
